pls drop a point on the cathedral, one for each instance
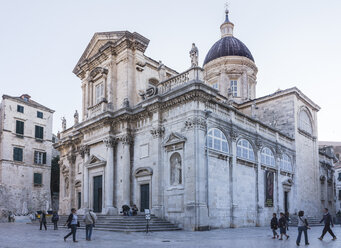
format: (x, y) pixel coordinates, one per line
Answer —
(197, 148)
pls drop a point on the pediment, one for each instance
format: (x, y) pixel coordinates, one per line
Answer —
(143, 171)
(174, 138)
(95, 160)
(98, 41)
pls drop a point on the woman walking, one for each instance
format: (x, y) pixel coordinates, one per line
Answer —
(303, 226)
(72, 222)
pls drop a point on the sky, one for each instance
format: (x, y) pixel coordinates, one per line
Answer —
(293, 42)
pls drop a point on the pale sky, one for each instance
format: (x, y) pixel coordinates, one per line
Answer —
(294, 43)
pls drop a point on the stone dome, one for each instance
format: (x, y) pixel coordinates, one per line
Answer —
(228, 46)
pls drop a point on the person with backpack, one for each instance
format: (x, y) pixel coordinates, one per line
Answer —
(303, 226)
(328, 221)
(274, 225)
(90, 220)
(72, 222)
(42, 220)
(55, 219)
(282, 224)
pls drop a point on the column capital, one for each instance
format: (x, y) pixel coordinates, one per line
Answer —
(157, 132)
(127, 139)
(196, 122)
(110, 142)
(71, 158)
(84, 150)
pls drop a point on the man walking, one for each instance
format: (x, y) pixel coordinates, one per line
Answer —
(327, 218)
(43, 220)
(90, 220)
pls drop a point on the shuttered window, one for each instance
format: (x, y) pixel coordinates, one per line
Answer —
(39, 134)
(37, 179)
(39, 157)
(40, 114)
(20, 108)
(19, 129)
(17, 154)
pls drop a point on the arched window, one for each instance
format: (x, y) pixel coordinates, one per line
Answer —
(176, 169)
(286, 163)
(267, 157)
(305, 123)
(245, 150)
(216, 140)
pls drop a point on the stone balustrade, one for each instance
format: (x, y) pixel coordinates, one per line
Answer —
(97, 109)
(195, 73)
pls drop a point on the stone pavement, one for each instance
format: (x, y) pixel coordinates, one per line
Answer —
(28, 236)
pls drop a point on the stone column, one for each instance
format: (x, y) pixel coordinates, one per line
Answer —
(85, 153)
(109, 177)
(232, 178)
(258, 171)
(127, 141)
(72, 159)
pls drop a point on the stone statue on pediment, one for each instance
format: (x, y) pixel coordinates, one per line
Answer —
(63, 123)
(194, 54)
(76, 116)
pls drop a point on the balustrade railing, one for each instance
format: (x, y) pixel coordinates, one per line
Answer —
(195, 73)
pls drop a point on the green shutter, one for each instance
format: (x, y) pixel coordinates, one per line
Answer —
(17, 154)
(44, 158)
(37, 132)
(37, 179)
(19, 127)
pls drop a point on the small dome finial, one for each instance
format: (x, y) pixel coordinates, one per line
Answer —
(227, 12)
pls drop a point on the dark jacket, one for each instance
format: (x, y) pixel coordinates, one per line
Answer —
(327, 219)
(43, 217)
(69, 219)
(282, 222)
(274, 223)
(55, 217)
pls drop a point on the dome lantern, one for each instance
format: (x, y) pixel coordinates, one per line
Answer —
(227, 27)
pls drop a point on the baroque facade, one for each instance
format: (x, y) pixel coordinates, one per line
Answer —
(197, 148)
(25, 155)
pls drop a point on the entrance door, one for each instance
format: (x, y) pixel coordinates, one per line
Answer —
(286, 201)
(144, 197)
(98, 194)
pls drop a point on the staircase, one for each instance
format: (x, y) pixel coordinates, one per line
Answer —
(312, 221)
(119, 223)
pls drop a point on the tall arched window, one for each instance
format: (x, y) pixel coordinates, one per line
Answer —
(245, 150)
(267, 157)
(305, 123)
(176, 169)
(286, 163)
(216, 140)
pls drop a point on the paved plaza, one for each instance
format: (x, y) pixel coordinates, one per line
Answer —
(28, 236)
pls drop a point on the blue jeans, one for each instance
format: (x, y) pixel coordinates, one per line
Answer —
(88, 231)
(73, 232)
(300, 230)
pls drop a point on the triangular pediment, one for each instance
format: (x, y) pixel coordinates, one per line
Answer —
(98, 41)
(174, 138)
(95, 160)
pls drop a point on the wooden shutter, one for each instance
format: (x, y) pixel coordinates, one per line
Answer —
(19, 127)
(44, 157)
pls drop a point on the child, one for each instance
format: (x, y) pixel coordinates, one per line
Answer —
(282, 224)
(274, 225)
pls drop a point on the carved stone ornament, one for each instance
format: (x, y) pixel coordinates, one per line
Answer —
(196, 122)
(234, 135)
(278, 151)
(71, 158)
(322, 178)
(65, 170)
(157, 132)
(110, 142)
(150, 91)
(127, 139)
(84, 150)
(98, 70)
(258, 143)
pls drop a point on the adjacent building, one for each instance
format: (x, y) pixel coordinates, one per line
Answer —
(336, 146)
(198, 148)
(25, 154)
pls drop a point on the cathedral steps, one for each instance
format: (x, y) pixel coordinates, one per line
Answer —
(312, 221)
(122, 223)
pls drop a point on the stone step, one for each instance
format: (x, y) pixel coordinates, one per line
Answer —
(122, 223)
